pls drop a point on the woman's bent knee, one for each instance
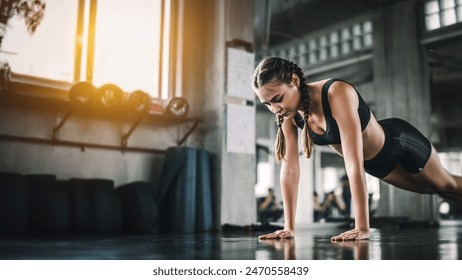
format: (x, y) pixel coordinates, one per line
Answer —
(446, 187)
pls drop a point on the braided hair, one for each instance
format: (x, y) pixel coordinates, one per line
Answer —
(279, 70)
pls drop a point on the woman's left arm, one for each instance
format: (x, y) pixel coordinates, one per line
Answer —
(344, 106)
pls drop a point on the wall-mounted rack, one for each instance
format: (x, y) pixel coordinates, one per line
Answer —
(64, 107)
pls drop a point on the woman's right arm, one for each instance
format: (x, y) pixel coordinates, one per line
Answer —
(289, 179)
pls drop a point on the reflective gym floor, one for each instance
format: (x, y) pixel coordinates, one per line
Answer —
(312, 242)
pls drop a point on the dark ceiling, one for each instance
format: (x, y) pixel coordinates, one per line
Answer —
(292, 19)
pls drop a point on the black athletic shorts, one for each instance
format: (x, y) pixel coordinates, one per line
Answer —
(404, 145)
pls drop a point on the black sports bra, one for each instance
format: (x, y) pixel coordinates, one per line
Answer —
(332, 134)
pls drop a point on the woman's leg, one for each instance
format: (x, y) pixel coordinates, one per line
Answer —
(438, 178)
(402, 179)
(433, 179)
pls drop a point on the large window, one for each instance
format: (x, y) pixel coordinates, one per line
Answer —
(333, 45)
(126, 43)
(441, 13)
(49, 53)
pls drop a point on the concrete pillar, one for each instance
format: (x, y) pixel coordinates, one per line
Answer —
(402, 86)
(234, 175)
(305, 189)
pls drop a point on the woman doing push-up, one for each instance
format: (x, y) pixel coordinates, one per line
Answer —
(331, 112)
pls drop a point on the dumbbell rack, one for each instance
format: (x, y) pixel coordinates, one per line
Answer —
(34, 102)
(124, 137)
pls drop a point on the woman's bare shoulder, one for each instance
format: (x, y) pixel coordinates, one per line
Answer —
(340, 90)
(316, 87)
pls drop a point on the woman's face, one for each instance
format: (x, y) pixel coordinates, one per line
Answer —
(282, 99)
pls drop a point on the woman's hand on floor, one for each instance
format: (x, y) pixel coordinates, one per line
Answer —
(283, 233)
(354, 234)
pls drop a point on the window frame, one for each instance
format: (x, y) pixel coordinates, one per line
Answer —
(44, 87)
(440, 12)
(443, 33)
(344, 37)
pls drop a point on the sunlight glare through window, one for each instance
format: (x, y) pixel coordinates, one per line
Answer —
(49, 52)
(127, 44)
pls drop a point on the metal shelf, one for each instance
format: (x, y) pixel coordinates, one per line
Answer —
(64, 107)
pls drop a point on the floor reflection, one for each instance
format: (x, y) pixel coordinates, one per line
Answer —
(359, 249)
(286, 249)
(450, 245)
(405, 242)
(287, 246)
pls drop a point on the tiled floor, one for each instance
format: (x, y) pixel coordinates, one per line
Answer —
(400, 242)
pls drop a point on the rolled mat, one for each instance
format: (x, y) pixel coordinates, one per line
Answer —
(48, 204)
(94, 205)
(81, 208)
(139, 210)
(103, 205)
(204, 214)
(14, 207)
(177, 191)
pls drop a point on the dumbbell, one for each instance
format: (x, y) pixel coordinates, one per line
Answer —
(110, 96)
(82, 93)
(177, 106)
(139, 102)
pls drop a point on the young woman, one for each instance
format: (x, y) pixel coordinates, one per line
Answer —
(331, 112)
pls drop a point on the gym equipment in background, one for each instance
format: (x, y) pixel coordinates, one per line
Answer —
(177, 106)
(82, 93)
(80, 205)
(140, 212)
(110, 96)
(94, 205)
(184, 195)
(177, 191)
(139, 102)
(49, 209)
(106, 212)
(204, 211)
(14, 207)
